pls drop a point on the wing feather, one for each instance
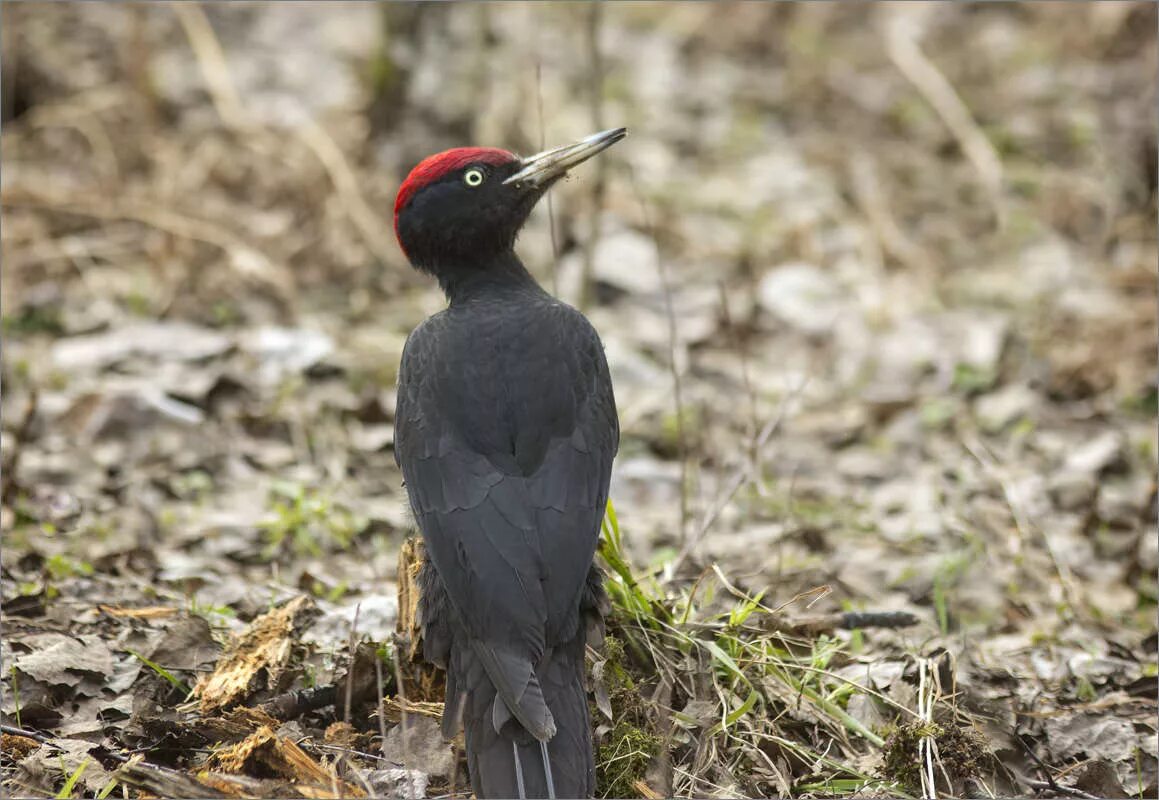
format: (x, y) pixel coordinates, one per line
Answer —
(509, 491)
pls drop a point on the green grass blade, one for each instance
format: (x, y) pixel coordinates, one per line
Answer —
(735, 714)
(725, 659)
(70, 784)
(160, 670)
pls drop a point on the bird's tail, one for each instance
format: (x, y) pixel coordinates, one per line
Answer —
(510, 762)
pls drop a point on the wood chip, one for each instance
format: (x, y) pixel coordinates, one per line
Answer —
(264, 752)
(420, 681)
(410, 563)
(147, 612)
(394, 707)
(266, 645)
(646, 791)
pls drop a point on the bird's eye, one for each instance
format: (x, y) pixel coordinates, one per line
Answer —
(473, 177)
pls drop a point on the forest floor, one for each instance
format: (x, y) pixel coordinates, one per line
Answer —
(877, 285)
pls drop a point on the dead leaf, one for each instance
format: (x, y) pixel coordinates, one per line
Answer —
(340, 733)
(188, 644)
(405, 784)
(65, 757)
(1093, 736)
(172, 341)
(419, 743)
(63, 660)
(1098, 777)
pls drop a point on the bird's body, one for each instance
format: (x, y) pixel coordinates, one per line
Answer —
(506, 429)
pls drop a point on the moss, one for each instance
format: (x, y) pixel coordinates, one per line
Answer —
(623, 759)
(900, 762)
(961, 753)
(629, 747)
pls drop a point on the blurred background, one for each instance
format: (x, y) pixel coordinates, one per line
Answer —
(877, 285)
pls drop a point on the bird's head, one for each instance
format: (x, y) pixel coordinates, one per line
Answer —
(466, 205)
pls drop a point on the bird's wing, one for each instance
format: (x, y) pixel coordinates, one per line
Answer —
(511, 538)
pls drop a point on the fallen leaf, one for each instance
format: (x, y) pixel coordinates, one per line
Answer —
(60, 662)
(174, 341)
(1091, 736)
(419, 742)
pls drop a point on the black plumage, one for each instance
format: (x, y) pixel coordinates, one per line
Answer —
(506, 429)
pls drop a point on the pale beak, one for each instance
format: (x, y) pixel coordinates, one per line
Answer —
(542, 168)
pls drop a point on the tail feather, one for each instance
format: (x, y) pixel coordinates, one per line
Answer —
(491, 754)
(495, 739)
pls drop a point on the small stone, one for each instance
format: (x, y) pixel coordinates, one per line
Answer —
(837, 428)
(997, 410)
(284, 351)
(983, 340)
(1072, 491)
(864, 464)
(1121, 504)
(406, 784)
(1097, 455)
(1148, 554)
(624, 259)
(803, 297)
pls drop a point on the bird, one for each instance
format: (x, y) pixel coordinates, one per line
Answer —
(505, 431)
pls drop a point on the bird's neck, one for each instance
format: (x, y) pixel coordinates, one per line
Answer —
(502, 274)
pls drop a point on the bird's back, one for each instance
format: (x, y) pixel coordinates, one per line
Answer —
(505, 430)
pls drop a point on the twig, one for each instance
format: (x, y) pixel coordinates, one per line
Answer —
(875, 619)
(214, 67)
(744, 473)
(1070, 791)
(550, 202)
(164, 782)
(337, 748)
(378, 686)
(746, 379)
(36, 736)
(1049, 784)
(599, 180)
(845, 621)
(244, 258)
(873, 202)
(350, 669)
(12, 730)
(907, 56)
(1022, 523)
(293, 704)
(673, 360)
(369, 225)
(402, 706)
